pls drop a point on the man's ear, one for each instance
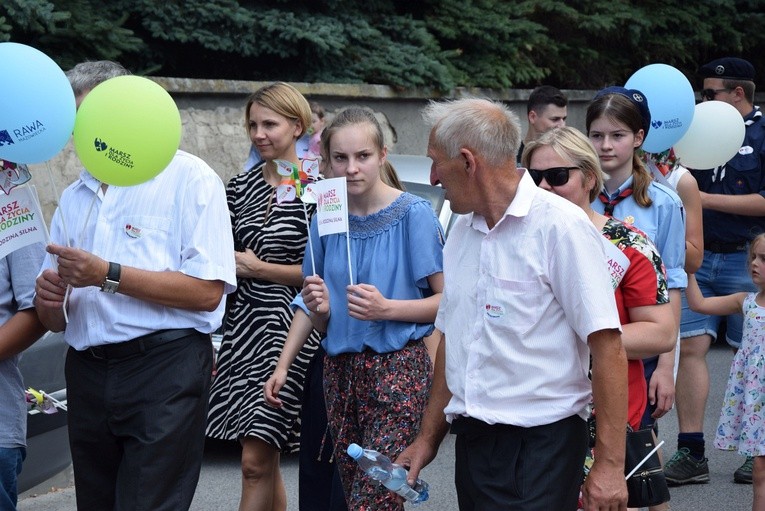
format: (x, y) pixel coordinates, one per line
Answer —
(532, 116)
(739, 93)
(469, 160)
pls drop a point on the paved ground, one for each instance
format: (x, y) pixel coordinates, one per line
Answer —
(219, 484)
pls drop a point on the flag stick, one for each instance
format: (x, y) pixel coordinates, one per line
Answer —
(348, 233)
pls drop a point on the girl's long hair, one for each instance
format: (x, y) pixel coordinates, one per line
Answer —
(356, 115)
(623, 111)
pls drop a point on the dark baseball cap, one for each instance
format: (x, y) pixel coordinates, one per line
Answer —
(636, 97)
(730, 68)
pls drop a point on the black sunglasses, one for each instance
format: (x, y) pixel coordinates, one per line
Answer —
(710, 94)
(555, 176)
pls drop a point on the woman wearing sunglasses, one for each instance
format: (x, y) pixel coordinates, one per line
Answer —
(564, 162)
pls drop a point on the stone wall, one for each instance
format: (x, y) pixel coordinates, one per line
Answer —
(212, 113)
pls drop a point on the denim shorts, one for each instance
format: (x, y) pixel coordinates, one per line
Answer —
(10, 468)
(719, 275)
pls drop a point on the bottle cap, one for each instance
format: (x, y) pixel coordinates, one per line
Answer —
(355, 451)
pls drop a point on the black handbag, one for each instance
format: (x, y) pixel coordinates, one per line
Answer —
(647, 486)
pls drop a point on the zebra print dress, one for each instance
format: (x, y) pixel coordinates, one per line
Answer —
(258, 319)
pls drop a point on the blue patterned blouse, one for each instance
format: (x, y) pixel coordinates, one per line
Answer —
(396, 250)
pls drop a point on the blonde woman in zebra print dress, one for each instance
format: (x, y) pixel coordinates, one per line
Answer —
(271, 240)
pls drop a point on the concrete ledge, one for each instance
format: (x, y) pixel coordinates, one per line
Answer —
(348, 90)
(239, 87)
(194, 86)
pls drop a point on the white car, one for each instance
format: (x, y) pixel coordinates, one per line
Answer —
(414, 172)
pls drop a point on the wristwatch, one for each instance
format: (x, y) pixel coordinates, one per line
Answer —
(112, 279)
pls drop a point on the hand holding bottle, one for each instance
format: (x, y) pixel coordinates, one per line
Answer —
(380, 468)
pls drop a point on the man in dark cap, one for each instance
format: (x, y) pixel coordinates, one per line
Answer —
(733, 201)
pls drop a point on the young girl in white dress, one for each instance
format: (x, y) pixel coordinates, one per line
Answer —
(742, 418)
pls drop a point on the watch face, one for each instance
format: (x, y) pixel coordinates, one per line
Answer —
(112, 280)
(110, 286)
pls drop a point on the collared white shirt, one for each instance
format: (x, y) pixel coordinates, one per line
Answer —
(519, 302)
(177, 221)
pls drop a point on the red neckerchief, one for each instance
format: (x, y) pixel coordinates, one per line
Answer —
(610, 204)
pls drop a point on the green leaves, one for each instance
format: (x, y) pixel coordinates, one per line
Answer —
(70, 31)
(434, 44)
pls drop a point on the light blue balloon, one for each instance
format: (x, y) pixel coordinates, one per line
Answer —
(672, 103)
(37, 106)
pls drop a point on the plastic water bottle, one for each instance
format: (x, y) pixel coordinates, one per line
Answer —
(380, 468)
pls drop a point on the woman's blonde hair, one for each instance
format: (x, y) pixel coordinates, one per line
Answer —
(285, 100)
(571, 144)
(389, 176)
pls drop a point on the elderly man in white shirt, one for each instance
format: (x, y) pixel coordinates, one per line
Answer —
(524, 307)
(149, 266)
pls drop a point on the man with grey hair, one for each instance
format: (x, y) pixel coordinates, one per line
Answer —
(521, 306)
(148, 266)
(84, 76)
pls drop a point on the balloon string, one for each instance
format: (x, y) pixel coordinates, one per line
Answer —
(56, 195)
(66, 236)
(80, 241)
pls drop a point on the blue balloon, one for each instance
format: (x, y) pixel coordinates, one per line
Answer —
(37, 106)
(672, 103)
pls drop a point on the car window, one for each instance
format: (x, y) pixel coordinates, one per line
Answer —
(414, 173)
(434, 194)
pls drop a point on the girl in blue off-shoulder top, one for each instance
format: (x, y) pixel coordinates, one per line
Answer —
(378, 372)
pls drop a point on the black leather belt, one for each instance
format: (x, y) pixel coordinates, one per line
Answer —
(139, 344)
(725, 248)
(463, 424)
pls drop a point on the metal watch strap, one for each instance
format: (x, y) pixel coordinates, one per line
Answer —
(112, 279)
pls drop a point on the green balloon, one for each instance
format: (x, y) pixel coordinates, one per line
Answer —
(127, 130)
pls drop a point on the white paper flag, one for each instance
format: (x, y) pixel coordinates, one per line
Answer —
(331, 205)
(21, 221)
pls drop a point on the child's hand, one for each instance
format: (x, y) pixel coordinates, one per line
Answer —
(272, 387)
